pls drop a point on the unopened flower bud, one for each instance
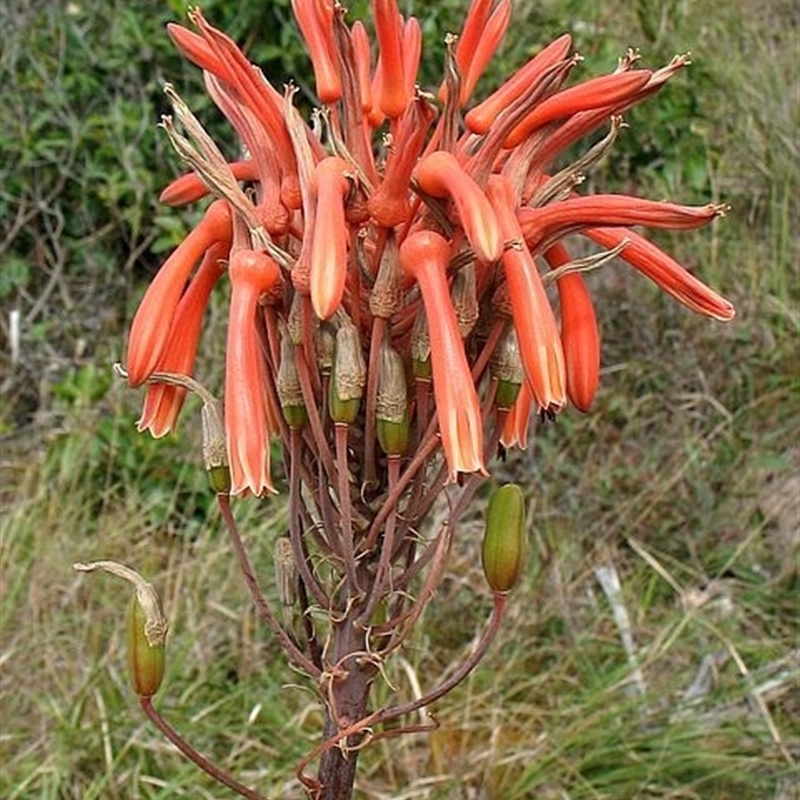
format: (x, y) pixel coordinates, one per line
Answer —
(349, 374)
(391, 405)
(387, 293)
(146, 656)
(215, 453)
(507, 368)
(147, 627)
(290, 393)
(465, 299)
(504, 545)
(285, 575)
(326, 347)
(421, 347)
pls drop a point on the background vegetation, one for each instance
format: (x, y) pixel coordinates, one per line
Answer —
(684, 482)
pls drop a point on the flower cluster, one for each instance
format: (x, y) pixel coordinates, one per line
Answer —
(394, 244)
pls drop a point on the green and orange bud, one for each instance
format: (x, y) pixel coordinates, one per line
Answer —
(146, 651)
(504, 546)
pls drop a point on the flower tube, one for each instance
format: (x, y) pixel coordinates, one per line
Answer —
(151, 324)
(424, 256)
(252, 273)
(163, 402)
(537, 332)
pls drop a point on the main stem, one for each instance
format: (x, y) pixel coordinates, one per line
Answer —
(348, 678)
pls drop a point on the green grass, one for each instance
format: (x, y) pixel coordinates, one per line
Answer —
(685, 479)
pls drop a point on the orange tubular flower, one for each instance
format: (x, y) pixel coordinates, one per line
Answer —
(606, 210)
(252, 273)
(361, 57)
(537, 332)
(189, 188)
(388, 204)
(483, 116)
(389, 28)
(515, 431)
(662, 269)
(474, 62)
(424, 255)
(261, 98)
(151, 324)
(440, 175)
(474, 26)
(412, 51)
(315, 18)
(329, 244)
(163, 402)
(607, 90)
(580, 338)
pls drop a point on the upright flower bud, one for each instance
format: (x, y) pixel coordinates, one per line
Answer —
(349, 374)
(504, 546)
(290, 392)
(146, 656)
(506, 365)
(391, 405)
(215, 449)
(147, 627)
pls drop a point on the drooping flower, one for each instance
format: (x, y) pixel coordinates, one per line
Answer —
(163, 401)
(424, 256)
(440, 175)
(252, 274)
(580, 338)
(537, 332)
(151, 324)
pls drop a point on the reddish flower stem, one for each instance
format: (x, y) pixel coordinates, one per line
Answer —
(193, 755)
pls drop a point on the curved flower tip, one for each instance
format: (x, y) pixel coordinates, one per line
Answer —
(247, 431)
(153, 319)
(440, 175)
(424, 255)
(329, 243)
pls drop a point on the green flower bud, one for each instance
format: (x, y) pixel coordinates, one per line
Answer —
(421, 348)
(147, 627)
(146, 654)
(219, 479)
(349, 374)
(391, 403)
(504, 545)
(215, 452)
(290, 393)
(506, 366)
(465, 299)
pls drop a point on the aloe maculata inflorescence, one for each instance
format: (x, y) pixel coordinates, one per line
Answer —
(403, 300)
